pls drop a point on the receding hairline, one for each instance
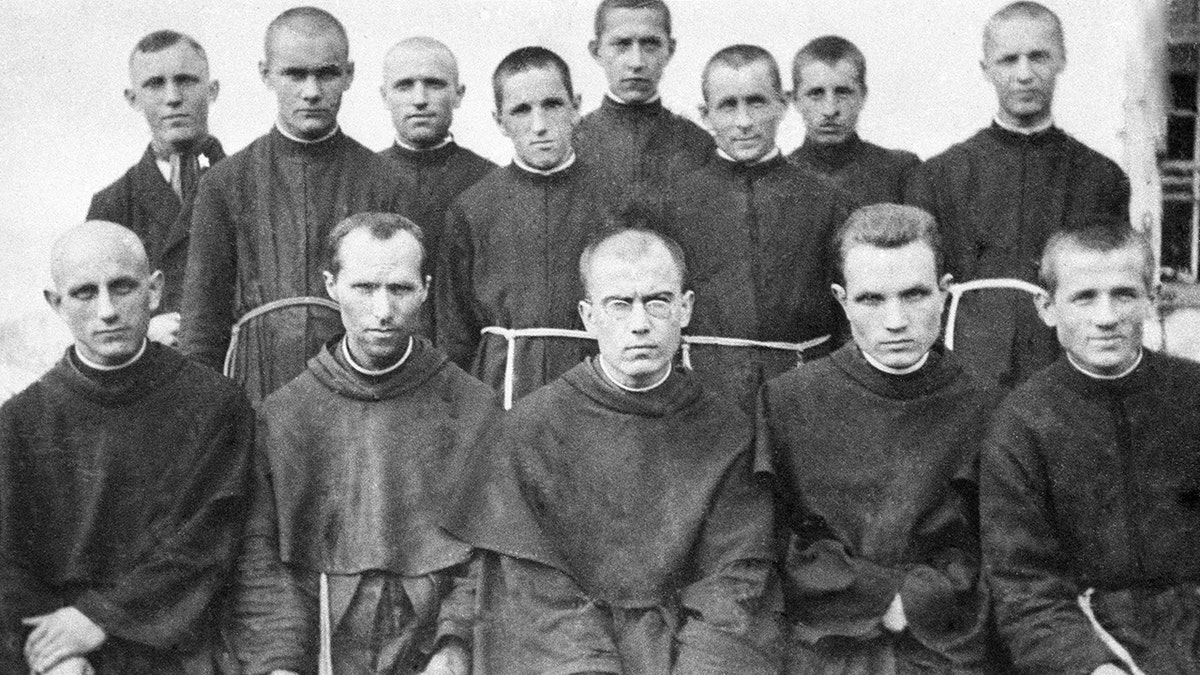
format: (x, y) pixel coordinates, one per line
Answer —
(92, 239)
(1095, 240)
(742, 57)
(310, 22)
(628, 245)
(420, 43)
(162, 40)
(1025, 10)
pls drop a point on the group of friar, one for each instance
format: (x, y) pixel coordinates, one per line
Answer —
(761, 457)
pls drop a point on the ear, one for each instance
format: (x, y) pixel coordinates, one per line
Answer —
(131, 98)
(349, 75)
(839, 294)
(703, 110)
(945, 282)
(586, 314)
(1044, 304)
(330, 285)
(53, 298)
(577, 101)
(670, 48)
(500, 123)
(155, 286)
(459, 94)
(264, 73)
(594, 48)
(423, 293)
(214, 88)
(686, 304)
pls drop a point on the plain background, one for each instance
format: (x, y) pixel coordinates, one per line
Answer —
(68, 131)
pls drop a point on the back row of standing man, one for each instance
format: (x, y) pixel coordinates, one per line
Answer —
(755, 231)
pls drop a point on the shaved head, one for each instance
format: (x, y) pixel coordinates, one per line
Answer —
(427, 46)
(310, 22)
(96, 239)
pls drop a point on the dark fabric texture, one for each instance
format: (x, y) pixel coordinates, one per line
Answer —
(143, 201)
(124, 497)
(997, 197)
(353, 472)
(1096, 484)
(756, 239)
(634, 151)
(260, 220)
(875, 484)
(439, 176)
(869, 173)
(624, 523)
(510, 258)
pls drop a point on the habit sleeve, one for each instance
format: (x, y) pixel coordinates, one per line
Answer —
(196, 531)
(1036, 608)
(271, 614)
(211, 277)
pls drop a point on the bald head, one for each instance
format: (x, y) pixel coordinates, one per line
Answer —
(1022, 10)
(104, 291)
(308, 22)
(421, 90)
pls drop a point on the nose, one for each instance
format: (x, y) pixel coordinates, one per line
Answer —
(895, 319)
(1024, 69)
(174, 94)
(637, 58)
(828, 107)
(381, 307)
(420, 96)
(639, 318)
(310, 90)
(742, 117)
(1106, 313)
(537, 122)
(106, 309)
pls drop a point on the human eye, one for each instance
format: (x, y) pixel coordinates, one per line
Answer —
(123, 286)
(658, 308)
(915, 294)
(154, 83)
(869, 299)
(87, 292)
(618, 307)
(520, 109)
(327, 73)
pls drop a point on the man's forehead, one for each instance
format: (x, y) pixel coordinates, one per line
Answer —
(418, 61)
(725, 79)
(634, 22)
(876, 267)
(633, 268)
(1021, 34)
(533, 84)
(1077, 267)
(178, 58)
(815, 71)
(288, 46)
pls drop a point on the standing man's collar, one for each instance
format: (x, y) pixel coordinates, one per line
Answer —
(617, 99)
(881, 367)
(108, 369)
(412, 148)
(563, 166)
(333, 132)
(362, 370)
(1024, 131)
(775, 152)
(1136, 362)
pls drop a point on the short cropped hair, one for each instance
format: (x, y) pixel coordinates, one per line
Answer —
(382, 226)
(311, 18)
(630, 224)
(830, 49)
(1103, 234)
(886, 226)
(1025, 9)
(740, 56)
(165, 39)
(525, 59)
(607, 6)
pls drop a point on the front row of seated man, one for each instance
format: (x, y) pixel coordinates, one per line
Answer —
(884, 512)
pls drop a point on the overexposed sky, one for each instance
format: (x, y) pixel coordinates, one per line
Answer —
(68, 132)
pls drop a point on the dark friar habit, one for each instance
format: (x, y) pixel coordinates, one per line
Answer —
(1096, 484)
(510, 258)
(869, 173)
(634, 150)
(122, 494)
(352, 472)
(756, 239)
(143, 201)
(876, 496)
(997, 198)
(618, 529)
(439, 176)
(260, 220)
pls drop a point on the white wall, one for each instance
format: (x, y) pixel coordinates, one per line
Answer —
(67, 130)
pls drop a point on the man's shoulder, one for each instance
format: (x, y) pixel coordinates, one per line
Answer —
(472, 161)
(482, 195)
(960, 151)
(877, 154)
(806, 381)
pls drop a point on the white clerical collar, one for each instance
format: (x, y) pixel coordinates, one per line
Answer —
(1024, 131)
(775, 152)
(617, 99)
(546, 172)
(305, 141)
(635, 390)
(382, 371)
(99, 366)
(412, 148)
(1096, 376)
(878, 365)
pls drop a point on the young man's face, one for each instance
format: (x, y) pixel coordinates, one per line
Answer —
(633, 50)
(170, 87)
(893, 300)
(308, 73)
(1022, 58)
(421, 89)
(829, 98)
(539, 116)
(743, 108)
(1098, 307)
(379, 290)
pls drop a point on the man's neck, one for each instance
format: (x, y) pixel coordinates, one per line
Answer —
(369, 372)
(608, 93)
(416, 148)
(163, 150)
(111, 368)
(305, 141)
(561, 166)
(883, 368)
(1097, 376)
(1026, 130)
(608, 374)
(774, 152)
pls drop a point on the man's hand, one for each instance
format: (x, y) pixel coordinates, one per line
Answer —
(894, 619)
(452, 659)
(1109, 669)
(76, 665)
(58, 636)
(164, 329)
